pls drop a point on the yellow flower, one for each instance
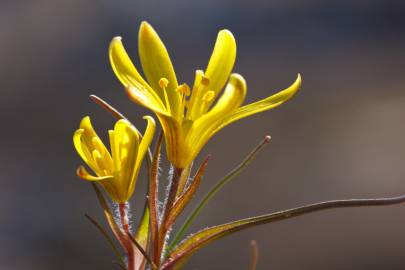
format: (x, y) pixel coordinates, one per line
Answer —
(189, 117)
(117, 171)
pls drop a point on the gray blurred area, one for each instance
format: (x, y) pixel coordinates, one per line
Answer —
(342, 136)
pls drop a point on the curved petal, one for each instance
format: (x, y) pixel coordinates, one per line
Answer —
(84, 174)
(218, 70)
(147, 137)
(126, 139)
(143, 148)
(144, 98)
(222, 60)
(233, 96)
(122, 65)
(264, 104)
(83, 149)
(125, 70)
(202, 129)
(156, 64)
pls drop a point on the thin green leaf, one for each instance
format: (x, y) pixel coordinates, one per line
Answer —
(107, 212)
(142, 237)
(109, 240)
(198, 240)
(153, 197)
(235, 172)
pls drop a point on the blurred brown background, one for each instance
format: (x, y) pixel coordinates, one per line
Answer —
(342, 136)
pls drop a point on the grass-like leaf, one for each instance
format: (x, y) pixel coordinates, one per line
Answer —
(108, 215)
(198, 240)
(235, 172)
(142, 238)
(120, 262)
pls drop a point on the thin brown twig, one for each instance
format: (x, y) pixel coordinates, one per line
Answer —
(255, 255)
(107, 107)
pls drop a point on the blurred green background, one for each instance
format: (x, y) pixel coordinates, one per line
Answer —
(342, 136)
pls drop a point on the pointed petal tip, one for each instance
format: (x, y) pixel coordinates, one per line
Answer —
(149, 119)
(227, 33)
(145, 29)
(85, 122)
(237, 80)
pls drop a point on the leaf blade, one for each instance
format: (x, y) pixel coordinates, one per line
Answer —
(202, 238)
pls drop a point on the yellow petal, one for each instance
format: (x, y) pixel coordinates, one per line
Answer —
(204, 127)
(217, 73)
(143, 148)
(122, 65)
(84, 149)
(125, 70)
(156, 64)
(84, 174)
(233, 96)
(145, 99)
(147, 137)
(262, 105)
(88, 129)
(126, 141)
(222, 60)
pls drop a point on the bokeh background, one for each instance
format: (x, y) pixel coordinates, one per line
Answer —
(342, 136)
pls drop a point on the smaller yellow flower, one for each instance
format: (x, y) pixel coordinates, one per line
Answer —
(117, 172)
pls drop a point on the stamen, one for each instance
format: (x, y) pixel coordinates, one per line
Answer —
(163, 83)
(98, 144)
(184, 89)
(205, 81)
(208, 96)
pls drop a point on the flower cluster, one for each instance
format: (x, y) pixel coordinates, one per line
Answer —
(189, 117)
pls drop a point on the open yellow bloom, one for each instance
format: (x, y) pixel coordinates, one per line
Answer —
(189, 117)
(117, 171)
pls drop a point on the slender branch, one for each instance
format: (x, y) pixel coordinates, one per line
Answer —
(196, 241)
(142, 251)
(235, 172)
(107, 107)
(123, 212)
(152, 200)
(255, 255)
(171, 198)
(121, 262)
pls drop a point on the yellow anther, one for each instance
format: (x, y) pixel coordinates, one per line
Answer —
(205, 81)
(96, 155)
(208, 96)
(184, 89)
(163, 82)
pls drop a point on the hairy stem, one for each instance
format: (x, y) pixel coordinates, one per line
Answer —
(128, 246)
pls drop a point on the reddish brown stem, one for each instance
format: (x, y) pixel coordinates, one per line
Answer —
(128, 246)
(171, 198)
